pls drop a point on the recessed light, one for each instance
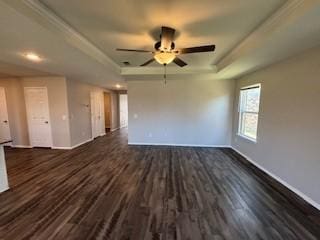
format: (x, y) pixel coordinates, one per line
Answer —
(118, 86)
(33, 57)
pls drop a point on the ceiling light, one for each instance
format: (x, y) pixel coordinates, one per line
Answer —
(118, 86)
(164, 58)
(33, 57)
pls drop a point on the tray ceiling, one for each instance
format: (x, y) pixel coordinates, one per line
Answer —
(136, 24)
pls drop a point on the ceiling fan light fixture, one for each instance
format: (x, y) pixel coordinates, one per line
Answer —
(165, 51)
(33, 57)
(164, 58)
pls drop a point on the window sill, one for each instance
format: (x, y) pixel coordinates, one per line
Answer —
(247, 138)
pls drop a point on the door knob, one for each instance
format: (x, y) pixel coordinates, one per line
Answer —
(5, 121)
(46, 122)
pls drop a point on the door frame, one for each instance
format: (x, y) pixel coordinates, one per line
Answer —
(28, 115)
(99, 130)
(92, 115)
(6, 105)
(110, 110)
(127, 110)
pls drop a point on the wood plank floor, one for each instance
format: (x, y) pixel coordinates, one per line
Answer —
(109, 190)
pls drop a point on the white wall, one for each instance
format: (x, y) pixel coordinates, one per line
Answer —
(3, 171)
(289, 123)
(182, 112)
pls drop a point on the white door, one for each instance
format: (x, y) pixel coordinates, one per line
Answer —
(123, 110)
(4, 121)
(97, 114)
(38, 116)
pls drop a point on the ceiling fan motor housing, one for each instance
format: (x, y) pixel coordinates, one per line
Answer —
(157, 46)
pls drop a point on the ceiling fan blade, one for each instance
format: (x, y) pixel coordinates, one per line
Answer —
(179, 62)
(208, 48)
(147, 63)
(167, 35)
(133, 50)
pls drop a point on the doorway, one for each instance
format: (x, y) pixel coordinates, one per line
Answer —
(4, 120)
(97, 114)
(107, 112)
(123, 99)
(38, 118)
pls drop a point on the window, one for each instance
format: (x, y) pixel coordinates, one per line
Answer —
(249, 111)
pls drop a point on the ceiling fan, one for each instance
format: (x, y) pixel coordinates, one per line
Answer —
(165, 51)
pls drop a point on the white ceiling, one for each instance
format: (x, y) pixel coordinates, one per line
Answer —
(78, 38)
(22, 32)
(136, 24)
(8, 70)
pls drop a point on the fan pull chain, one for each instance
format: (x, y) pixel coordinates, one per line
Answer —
(165, 73)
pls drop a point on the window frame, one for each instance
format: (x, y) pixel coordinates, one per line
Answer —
(241, 113)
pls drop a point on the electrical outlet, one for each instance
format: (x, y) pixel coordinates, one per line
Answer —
(165, 132)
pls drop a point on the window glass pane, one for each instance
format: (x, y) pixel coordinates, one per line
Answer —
(249, 125)
(251, 100)
(243, 95)
(253, 96)
(248, 112)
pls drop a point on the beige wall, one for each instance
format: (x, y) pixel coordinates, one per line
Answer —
(79, 106)
(182, 112)
(289, 131)
(16, 111)
(115, 120)
(69, 106)
(58, 107)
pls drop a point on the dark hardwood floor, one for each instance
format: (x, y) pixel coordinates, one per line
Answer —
(109, 190)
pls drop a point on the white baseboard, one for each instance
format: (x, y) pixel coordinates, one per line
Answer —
(84, 142)
(178, 145)
(115, 129)
(293, 189)
(61, 148)
(74, 146)
(21, 146)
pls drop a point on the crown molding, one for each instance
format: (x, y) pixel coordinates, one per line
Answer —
(37, 11)
(279, 19)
